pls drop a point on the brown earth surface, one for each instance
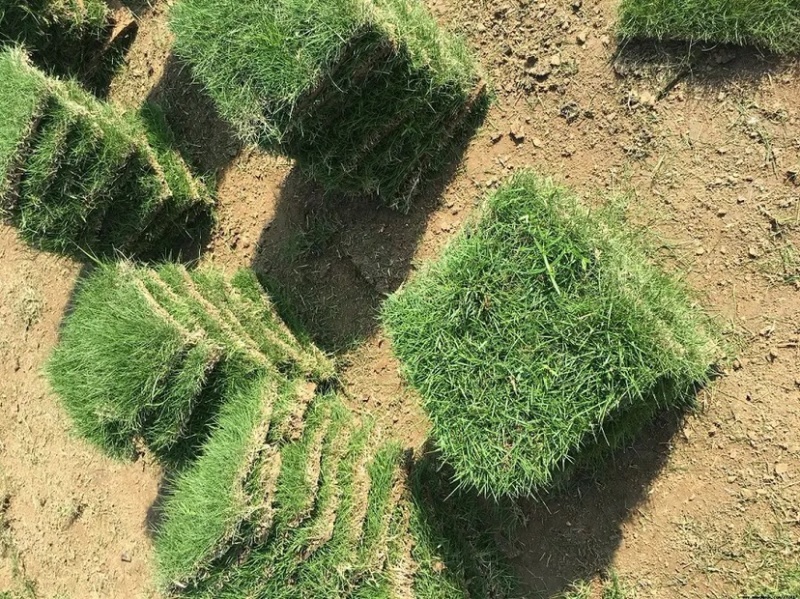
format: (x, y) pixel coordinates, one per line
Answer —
(699, 142)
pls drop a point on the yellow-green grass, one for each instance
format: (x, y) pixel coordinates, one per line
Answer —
(544, 336)
(367, 96)
(768, 24)
(81, 178)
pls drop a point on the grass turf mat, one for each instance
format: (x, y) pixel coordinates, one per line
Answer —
(63, 35)
(80, 178)
(541, 327)
(769, 24)
(399, 90)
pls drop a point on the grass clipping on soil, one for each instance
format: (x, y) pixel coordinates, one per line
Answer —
(149, 355)
(367, 95)
(541, 335)
(78, 177)
(63, 34)
(769, 24)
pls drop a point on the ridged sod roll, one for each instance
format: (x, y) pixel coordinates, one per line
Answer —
(78, 177)
(316, 507)
(543, 337)
(151, 354)
(367, 95)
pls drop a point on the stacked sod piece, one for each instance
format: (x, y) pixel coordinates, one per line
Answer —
(771, 25)
(63, 34)
(542, 337)
(366, 95)
(315, 507)
(150, 355)
(78, 177)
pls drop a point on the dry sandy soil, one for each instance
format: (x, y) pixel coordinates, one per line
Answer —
(701, 144)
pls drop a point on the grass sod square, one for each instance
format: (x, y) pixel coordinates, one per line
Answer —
(106, 376)
(64, 192)
(769, 24)
(213, 502)
(207, 507)
(391, 80)
(540, 326)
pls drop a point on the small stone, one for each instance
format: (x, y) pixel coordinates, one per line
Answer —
(605, 40)
(747, 494)
(741, 200)
(781, 469)
(753, 253)
(699, 251)
(555, 60)
(721, 212)
(496, 137)
(737, 365)
(125, 557)
(517, 134)
(647, 99)
(537, 143)
(582, 37)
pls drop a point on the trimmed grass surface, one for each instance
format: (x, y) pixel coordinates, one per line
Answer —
(542, 334)
(80, 178)
(768, 24)
(366, 96)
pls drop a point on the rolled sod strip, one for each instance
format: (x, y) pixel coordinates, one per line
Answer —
(543, 337)
(80, 178)
(368, 96)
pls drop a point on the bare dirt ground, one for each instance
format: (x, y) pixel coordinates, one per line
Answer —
(701, 143)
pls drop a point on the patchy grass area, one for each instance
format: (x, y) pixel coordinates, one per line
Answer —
(368, 97)
(543, 337)
(770, 24)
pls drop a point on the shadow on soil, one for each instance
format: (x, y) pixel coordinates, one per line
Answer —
(573, 534)
(702, 66)
(206, 141)
(330, 261)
